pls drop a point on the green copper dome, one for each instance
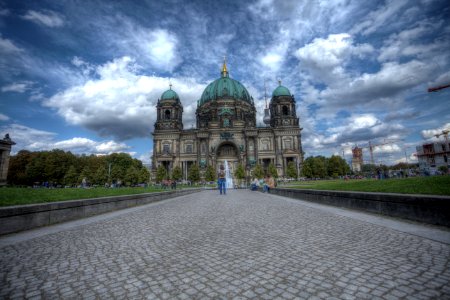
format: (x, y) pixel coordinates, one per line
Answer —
(225, 87)
(169, 95)
(281, 91)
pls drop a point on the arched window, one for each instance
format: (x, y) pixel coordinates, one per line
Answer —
(285, 110)
(167, 114)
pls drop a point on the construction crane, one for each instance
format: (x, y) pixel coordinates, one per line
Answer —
(371, 147)
(438, 88)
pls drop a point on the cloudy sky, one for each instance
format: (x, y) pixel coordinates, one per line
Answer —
(85, 76)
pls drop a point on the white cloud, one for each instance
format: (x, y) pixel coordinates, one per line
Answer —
(157, 47)
(409, 43)
(28, 138)
(84, 145)
(39, 140)
(384, 15)
(356, 129)
(46, 18)
(326, 58)
(17, 87)
(146, 158)
(8, 47)
(389, 81)
(388, 148)
(430, 133)
(3, 117)
(161, 46)
(120, 102)
(4, 12)
(274, 58)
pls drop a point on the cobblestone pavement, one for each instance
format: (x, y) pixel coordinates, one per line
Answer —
(246, 245)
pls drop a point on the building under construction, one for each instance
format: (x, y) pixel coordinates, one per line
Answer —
(431, 156)
(357, 159)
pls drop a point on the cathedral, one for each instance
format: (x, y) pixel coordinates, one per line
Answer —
(226, 130)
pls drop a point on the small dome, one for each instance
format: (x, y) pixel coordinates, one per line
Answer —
(281, 91)
(169, 95)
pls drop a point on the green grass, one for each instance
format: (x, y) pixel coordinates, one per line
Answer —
(20, 196)
(435, 185)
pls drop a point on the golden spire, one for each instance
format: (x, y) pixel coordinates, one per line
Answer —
(224, 67)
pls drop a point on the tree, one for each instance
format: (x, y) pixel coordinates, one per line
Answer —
(100, 175)
(144, 175)
(320, 167)
(131, 176)
(258, 171)
(210, 174)
(57, 162)
(177, 173)
(307, 169)
(194, 173)
(116, 173)
(36, 169)
(17, 172)
(443, 169)
(240, 173)
(85, 175)
(71, 176)
(291, 170)
(337, 166)
(161, 173)
(273, 171)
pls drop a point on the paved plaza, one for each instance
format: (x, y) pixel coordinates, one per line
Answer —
(245, 245)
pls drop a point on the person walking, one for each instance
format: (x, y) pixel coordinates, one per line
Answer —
(222, 180)
(269, 184)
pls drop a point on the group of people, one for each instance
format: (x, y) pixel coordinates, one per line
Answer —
(267, 183)
(169, 183)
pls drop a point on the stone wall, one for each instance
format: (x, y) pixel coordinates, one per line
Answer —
(25, 217)
(422, 208)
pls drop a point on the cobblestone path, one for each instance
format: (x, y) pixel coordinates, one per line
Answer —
(246, 245)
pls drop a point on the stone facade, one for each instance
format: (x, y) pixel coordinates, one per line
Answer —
(226, 130)
(5, 149)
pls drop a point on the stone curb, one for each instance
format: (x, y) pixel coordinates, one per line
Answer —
(26, 217)
(428, 209)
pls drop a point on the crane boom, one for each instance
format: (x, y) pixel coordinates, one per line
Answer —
(437, 88)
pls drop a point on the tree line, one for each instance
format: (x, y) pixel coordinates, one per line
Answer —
(335, 166)
(322, 167)
(60, 168)
(209, 174)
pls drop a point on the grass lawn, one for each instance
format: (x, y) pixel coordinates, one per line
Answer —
(434, 185)
(20, 196)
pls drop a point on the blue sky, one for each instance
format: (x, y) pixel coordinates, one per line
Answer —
(85, 76)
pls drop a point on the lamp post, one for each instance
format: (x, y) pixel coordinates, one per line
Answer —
(109, 173)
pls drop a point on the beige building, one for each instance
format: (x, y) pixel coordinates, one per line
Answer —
(5, 149)
(226, 130)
